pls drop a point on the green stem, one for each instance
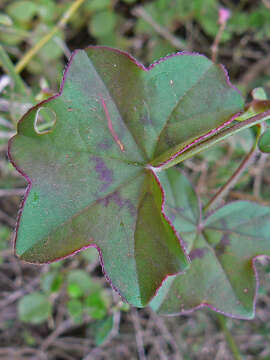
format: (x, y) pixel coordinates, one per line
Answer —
(35, 49)
(230, 340)
(9, 68)
(189, 151)
(248, 159)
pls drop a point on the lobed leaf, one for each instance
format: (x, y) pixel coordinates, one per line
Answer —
(90, 182)
(222, 249)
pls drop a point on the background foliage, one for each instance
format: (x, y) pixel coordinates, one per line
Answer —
(67, 310)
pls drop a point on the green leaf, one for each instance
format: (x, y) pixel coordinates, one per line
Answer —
(74, 291)
(51, 50)
(264, 142)
(103, 329)
(96, 305)
(47, 9)
(22, 10)
(259, 94)
(95, 5)
(80, 280)
(75, 310)
(34, 308)
(5, 20)
(102, 23)
(90, 183)
(221, 247)
(163, 13)
(51, 282)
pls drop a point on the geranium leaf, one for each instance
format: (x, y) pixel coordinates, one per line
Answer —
(264, 142)
(222, 250)
(86, 153)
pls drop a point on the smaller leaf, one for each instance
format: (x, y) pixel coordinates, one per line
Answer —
(5, 20)
(22, 10)
(34, 308)
(94, 5)
(81, 280)
(75, 310)
(264, 142)
(96, 305)
(74, 291)
(47, 10)
(102, 23)
(221, 247)
(13, 38)
(259, 94)
(259, 104)
(51, 282)
(103, 330)
(50, 51)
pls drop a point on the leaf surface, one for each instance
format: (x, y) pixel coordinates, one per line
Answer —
(90, 183)
(221, 248)
(34, 308)
(264, 142)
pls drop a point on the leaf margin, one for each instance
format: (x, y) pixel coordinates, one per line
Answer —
(204, 304)
(59, 93)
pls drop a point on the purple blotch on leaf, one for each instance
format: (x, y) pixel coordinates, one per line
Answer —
(105, 174)
(197, 253)
(120, 202)
(224, 242)
(105, 145)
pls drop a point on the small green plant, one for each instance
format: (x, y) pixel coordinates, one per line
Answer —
(84, 299)
(101, 172)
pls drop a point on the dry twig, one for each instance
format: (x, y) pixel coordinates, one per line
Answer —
(259, 175)
(138, 334)
(11, 192)
(140, 12)
(255, 70)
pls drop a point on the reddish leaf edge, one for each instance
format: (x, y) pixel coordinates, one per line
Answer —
(203, 305)
(157, 62)
(29, 186)
(257, 283)
(211, 132)
(196, 141)
(213, 308)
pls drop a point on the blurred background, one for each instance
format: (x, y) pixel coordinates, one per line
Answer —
(67, 310)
